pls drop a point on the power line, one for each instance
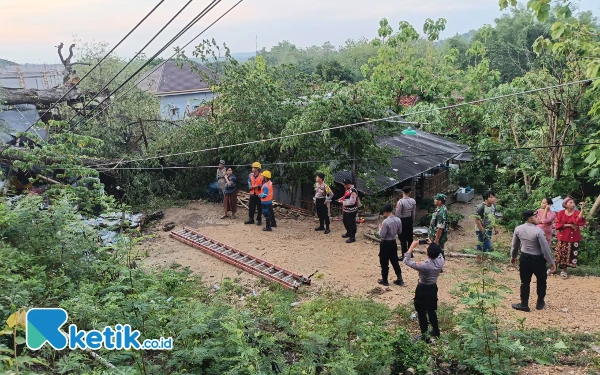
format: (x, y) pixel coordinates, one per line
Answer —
(135, 57)
(357, 159)
(353, 124)
(161, 64)
(204, 12)
(97, 64)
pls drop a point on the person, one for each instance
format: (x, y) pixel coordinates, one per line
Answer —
(546, 219)
(221, 172)
(426, 293)
(323, 196)
(266, 199)
(438, 226)
(255, 182)
(406, 210)
(535, 252)
(484, 221)
(568, 223)
(388, 248)
(349, 203)
(230, 194)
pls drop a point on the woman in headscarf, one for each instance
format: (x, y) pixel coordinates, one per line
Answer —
(546, 219)
(568, 223)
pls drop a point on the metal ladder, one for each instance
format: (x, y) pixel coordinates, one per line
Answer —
(240, 259)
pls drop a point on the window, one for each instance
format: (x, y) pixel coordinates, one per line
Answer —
(174, 111)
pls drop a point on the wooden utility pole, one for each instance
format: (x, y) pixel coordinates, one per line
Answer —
(143, 133)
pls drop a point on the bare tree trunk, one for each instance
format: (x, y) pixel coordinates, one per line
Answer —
(595, 208)
(45, 97)
(526, 177)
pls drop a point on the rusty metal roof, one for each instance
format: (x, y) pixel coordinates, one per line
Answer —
(417, 154)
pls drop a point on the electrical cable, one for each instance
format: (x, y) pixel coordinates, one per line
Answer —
(134, 57)
(350, 125)
(161, 64)
(97, 64)
(356, 159)
(204, 12)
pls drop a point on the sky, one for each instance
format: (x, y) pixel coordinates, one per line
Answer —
(30, 29)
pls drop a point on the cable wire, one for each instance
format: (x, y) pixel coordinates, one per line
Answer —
(351, 125)
(134, 57)
(97, 64)
(356, 159)
(204, 12)
(161, 64)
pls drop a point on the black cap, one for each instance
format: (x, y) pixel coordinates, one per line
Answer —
(387, 208)
(527, 214)
(407, 189)
(321, 175)
(347, 181)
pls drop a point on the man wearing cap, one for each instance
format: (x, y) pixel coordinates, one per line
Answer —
(221, 172)
(438, 226)
(388, 248)
(535, 252)
(255, 182)
(349, 203)
(323, 196)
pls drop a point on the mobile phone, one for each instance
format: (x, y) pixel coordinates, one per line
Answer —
(423, 242)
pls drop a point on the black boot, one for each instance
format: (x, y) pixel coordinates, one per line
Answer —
(319, 228)
(350, 240)
(540, 305)
(249, 221)
(383, 282)
(259, 223)
(345, 235)
(399, 281)
(327, 231)
(521, 307)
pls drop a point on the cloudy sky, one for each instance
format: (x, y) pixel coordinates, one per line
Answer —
(29, 29)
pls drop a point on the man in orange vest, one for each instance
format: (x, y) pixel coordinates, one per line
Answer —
(266, 198)
(255, 182)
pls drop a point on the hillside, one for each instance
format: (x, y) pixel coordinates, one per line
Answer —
(6, 63)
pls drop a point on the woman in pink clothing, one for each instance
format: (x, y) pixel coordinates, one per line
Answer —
(568, 233)
(546, 219)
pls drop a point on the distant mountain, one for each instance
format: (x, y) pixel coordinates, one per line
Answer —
(6, 63)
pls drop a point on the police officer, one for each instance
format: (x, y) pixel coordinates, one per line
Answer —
(255, 182)
(535, 252)
(349, 203)
(323, 195)
(388, 248)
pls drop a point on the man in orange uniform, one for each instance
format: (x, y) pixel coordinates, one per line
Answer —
(266, 198)
(255, 182)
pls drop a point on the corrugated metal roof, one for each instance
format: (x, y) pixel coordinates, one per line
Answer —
(12, 122)
(32, 76)
(171, 78)
(419, 153)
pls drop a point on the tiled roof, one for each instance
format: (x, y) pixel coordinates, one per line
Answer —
(174, 78)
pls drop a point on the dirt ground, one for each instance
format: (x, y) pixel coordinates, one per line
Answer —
(353, 269)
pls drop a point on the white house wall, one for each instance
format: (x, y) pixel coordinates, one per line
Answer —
(180, 102)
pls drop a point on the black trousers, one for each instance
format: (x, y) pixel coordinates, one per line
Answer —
(349, 219)
(322, 212)
(532, 265)
(255, 205)
(406, 237)
(426, 305)
(267, 210)
(388, 253)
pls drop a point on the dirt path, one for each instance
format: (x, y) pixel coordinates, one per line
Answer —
(354, 268)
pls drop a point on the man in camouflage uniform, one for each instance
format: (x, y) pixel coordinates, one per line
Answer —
(438, 227)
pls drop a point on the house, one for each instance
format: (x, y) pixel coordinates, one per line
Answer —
(181, 90)
(424, 164)
(18, 118)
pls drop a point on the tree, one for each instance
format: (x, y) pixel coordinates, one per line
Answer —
(333, 71)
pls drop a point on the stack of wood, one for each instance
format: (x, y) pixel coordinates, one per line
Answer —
(281, 209)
